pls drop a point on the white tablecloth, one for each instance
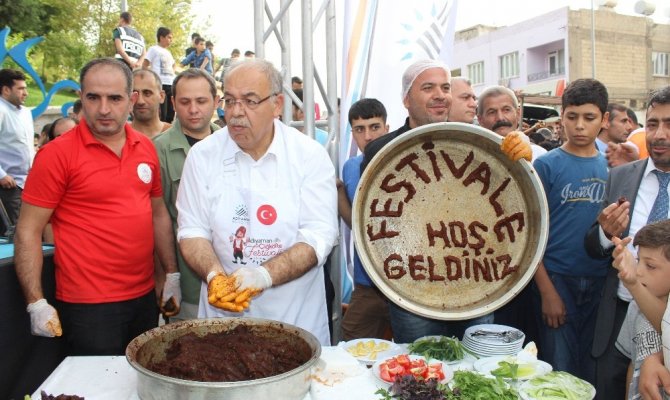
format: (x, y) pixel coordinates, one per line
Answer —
(99, 378)
(112, 378)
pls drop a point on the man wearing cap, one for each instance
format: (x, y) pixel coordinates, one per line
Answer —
(426, 93)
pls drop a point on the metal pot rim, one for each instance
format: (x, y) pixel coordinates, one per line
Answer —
(136, 344)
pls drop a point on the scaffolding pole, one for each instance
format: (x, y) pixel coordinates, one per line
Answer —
(311, 81)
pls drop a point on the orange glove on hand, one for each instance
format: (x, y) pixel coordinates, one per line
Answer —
(516, 146)
(222, 292)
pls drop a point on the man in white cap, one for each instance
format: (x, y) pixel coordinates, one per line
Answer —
(426, 93)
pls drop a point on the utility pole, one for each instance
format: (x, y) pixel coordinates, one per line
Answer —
(593, 42)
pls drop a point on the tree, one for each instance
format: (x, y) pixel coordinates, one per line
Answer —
(76, 31)
(26, 17)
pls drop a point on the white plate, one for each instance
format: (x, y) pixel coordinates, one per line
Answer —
(491, 340)
(448, 372)
(486, 365)
(527, 385)
(392, 350)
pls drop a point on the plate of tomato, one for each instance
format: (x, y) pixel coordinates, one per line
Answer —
(409, 364)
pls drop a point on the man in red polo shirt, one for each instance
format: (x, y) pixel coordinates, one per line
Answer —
(99, 186)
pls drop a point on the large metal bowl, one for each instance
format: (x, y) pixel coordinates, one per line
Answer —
(446, 225)
(152, 346)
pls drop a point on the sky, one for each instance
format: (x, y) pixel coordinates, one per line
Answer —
(231, 26)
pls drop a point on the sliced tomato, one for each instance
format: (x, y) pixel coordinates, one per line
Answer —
(419, 371)
(384, 373)
(397, 370)
(435, 371)
(389, 369)
(403, 360)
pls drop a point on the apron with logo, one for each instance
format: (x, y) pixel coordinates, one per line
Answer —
(258, 223)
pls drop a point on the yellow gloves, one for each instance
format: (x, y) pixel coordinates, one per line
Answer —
(222, 292)
(516, 146)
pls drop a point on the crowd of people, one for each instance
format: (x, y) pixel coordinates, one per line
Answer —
(154, 209)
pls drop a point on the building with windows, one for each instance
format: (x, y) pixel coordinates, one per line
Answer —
(540, 56)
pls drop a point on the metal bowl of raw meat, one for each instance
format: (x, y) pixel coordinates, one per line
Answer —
(152, 347)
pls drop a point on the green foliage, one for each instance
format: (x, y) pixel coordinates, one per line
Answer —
(76, 31)
(25, 16)
(35, 96)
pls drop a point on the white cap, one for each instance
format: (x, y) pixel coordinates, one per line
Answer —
(416, 69)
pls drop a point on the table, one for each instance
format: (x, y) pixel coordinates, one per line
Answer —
(112, 377)
(25, 360)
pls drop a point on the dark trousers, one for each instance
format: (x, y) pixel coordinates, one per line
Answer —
(611, 367)
(167, 109)
(330, 294)
(106, 328)
(518, 313)
(11, 199)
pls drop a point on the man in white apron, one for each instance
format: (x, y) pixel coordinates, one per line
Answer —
(258, 201)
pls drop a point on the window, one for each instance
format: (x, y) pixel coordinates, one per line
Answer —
(509, 65)
(660, 63)
(476, 73)
(556, 62)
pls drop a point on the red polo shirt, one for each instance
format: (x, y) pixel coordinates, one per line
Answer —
(102, 219)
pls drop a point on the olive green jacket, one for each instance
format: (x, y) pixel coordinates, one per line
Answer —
(172, 148)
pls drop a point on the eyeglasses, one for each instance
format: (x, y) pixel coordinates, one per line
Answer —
(251, 104)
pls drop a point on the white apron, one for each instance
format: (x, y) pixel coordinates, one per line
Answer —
(270, 219)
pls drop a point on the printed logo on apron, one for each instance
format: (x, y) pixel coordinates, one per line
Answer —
(241, 215)
(266, 214)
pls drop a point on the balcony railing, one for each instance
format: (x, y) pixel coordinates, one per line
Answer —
(538, 76)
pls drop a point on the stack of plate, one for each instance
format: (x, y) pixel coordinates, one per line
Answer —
(493, 340)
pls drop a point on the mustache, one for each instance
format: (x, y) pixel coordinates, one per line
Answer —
(500, 124)
(239, 122)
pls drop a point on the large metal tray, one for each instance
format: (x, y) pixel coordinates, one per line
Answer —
(416, 218)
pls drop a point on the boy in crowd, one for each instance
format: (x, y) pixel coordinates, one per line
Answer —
(201, 58)
(568, 283)
(649, 275)
(367, 315)
(160, 60)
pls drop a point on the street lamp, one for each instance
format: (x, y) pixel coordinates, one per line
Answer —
(645, 8)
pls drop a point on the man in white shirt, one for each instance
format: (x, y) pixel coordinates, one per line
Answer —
(160, 60)
(16, 141)
(262, 193)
